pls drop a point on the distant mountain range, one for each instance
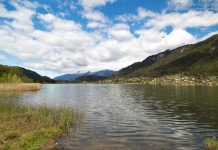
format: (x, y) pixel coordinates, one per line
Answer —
(19, 74)
(91, 75)
(89, 78)
(199, 59)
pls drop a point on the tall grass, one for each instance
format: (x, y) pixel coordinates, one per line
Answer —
(28, 127)
(20, 86)
(211, 144)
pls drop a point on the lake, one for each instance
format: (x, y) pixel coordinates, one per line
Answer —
(132, 117)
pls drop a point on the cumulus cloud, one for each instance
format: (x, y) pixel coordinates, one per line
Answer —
(95, 24)
(184, 20)
(96, 18)
(91, 4)
(120, 32)
(188, 19)
(56, 23)
(63, 42)
(159, 41)
(64, 46)
(21, 17)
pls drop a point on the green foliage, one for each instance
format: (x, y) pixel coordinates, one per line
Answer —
(90, 78)
(9, 78)
(27, 127)
(211, 144)
(33, 140)
(11, 74)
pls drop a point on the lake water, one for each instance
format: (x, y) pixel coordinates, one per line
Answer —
(133, 117)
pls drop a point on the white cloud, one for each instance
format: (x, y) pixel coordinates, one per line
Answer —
(159, 41)
(95, 24)
(141, 14)
(62, 44)
(179, 4)
(120, 32)
(91, 4)
(178, 20)
(22, 17)
(56, 23)
(95, 15)
(184, 20)
(2, 57)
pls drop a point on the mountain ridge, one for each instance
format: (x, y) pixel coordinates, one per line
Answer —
(74, 76)
(200, 59)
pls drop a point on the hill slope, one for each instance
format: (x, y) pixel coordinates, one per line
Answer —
(90, 78)
(199, 59)
(70, 77)
(19, 74)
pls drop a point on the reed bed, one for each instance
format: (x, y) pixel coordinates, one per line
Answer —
(28, 127)
(20, 86)
(211, 144)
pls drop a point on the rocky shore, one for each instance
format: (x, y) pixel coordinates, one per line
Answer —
(167, 80)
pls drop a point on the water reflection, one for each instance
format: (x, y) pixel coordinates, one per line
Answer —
(135, 116)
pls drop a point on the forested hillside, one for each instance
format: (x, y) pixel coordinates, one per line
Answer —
(14, 74)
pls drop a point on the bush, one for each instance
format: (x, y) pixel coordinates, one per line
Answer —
(211, 144)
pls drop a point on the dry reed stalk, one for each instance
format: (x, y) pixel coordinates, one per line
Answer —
(20, 86)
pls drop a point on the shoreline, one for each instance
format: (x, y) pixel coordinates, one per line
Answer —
(34, 127)
(175, 80)
(50, 140)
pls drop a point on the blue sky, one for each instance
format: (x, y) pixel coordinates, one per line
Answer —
(55, 37)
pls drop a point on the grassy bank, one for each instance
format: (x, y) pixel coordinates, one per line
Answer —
(20, 86)
(211, 144)
(29, 128)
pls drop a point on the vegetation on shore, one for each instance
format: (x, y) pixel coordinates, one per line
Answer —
(20, 86)
(89, 79)
(211, 144)
(28, 127)
(177, 79)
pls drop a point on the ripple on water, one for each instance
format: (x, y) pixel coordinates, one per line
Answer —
(135, 117)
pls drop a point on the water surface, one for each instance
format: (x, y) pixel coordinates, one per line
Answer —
(134, 117)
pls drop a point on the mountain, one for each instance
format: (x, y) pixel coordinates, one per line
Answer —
(70, 77)
(89, 78)
(104, 73)
(200, 59)
(19, 74)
